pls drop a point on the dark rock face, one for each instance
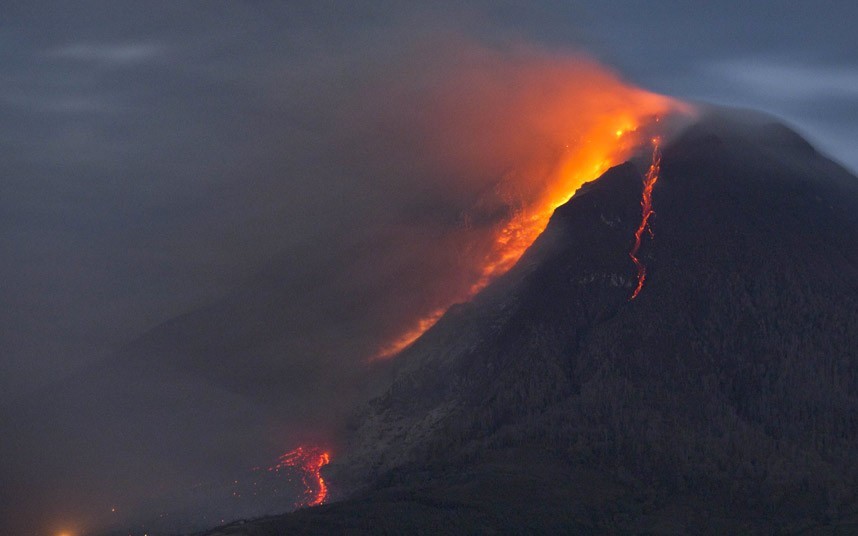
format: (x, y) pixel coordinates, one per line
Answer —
(724, 398)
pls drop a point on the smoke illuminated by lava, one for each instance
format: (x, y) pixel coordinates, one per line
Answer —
(646, 212)
(545, 125)
(308, 460)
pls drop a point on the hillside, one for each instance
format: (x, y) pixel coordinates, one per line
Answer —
(723, 398)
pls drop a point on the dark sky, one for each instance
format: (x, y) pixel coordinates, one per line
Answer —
(156, 156)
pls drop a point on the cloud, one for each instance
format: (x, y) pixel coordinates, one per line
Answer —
(105, 53)
(786, 80)
(60, 104)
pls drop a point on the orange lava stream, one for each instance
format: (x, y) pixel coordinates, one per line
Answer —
(553, 132)
(612, 145)
(646, 211)
(309, 460)
(405, 340)
(609, 146)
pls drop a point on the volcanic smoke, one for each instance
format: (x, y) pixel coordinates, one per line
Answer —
(550, 125)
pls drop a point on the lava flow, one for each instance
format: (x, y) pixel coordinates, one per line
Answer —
(308, 460)
(646, 212)
(607, 145)
(541, 128)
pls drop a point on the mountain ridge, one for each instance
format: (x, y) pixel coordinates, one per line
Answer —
(722, 397)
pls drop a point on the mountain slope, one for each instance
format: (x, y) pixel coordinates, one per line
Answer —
(723, 398)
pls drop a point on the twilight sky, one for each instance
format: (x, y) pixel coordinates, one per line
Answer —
(157, 156)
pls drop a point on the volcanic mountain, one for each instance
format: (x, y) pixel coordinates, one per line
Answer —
(722, 399)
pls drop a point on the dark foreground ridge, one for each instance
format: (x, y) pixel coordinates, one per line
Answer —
(723, 399)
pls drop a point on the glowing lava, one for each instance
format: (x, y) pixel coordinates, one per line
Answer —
(405, 340)
(308, 460)
(646, 212)
(540, 127)
(603, 148)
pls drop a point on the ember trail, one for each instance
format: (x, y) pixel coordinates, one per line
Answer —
(646, 212)
(308, 460)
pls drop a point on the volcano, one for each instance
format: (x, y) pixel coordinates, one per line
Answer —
(721, 399)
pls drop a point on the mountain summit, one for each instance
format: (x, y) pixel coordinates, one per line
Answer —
(721, 399)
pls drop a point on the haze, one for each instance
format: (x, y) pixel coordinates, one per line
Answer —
(161, 158)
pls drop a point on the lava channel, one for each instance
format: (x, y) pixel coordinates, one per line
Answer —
(551, 125)
(646, 212)
(308, 460)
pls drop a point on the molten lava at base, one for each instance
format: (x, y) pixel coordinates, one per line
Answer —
(646, 212)
(308, 460)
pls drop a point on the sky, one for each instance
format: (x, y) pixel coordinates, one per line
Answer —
(160, 158)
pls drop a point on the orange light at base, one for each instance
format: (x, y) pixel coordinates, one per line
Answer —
(308, 460)
(646, 212)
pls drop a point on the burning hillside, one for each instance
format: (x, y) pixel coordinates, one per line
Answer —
(547, 125)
